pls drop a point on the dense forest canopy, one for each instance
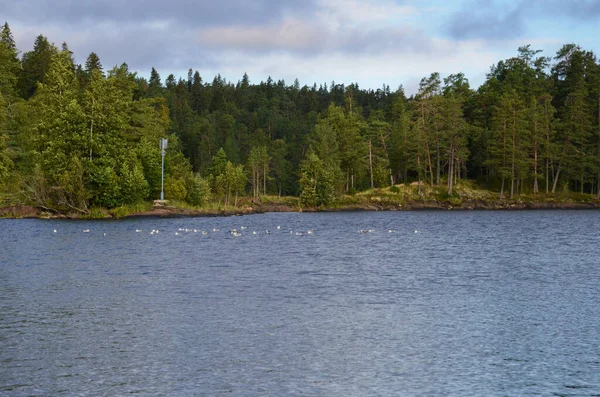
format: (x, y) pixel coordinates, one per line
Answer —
(77, 136)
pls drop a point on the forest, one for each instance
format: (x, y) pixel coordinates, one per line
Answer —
(75, 137)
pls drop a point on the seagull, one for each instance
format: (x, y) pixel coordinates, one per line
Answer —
(54, 230)
(138, 230)
(86, 231)
(309, 231)
(416, 231)
(278, 227)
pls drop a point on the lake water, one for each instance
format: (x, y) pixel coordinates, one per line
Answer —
(447, 304)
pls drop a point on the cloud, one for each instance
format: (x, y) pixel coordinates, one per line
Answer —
(175, 12)
(364, 41)
(290, 35)
(487, 24)
(485, 19)
(352, 12)
(335, 26)
(295, 36)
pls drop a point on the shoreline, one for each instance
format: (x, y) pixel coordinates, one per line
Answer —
(32, 212)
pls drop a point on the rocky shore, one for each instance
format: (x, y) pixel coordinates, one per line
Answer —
(165, 211)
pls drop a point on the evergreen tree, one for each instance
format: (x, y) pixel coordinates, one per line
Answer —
(93, 63)
(9, 63)
(35, 65)
(154, 84)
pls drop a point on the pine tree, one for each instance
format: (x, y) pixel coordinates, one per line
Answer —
(155, 86)
(9, 63)
(35, 65)
(93, 63)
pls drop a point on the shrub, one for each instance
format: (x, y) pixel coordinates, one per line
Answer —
(198, 193)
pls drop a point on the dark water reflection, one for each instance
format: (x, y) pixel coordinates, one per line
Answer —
(461, 304)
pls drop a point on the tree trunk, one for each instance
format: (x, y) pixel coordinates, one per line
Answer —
(451, 166)
(92, 129)
(371, 163)
(556, 178)
(419, 173)
(535, 167)
(437, 149)
(253, 183)
(598, 178)
(429, 161)
(426, 144)
(547, 175)
(347, 180)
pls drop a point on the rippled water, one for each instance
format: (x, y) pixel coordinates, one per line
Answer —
(450, 303)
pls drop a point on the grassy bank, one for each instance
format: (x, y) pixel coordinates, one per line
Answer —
(466, 196)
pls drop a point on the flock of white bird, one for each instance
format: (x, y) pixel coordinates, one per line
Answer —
(238, 232)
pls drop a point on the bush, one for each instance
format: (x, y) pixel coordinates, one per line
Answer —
(308, 196)
(134, 187)
(198, 193)
(104, 185)
(175, 189)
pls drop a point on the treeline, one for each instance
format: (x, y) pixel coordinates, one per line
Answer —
(76, 136)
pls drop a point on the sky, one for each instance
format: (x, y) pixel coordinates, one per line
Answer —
(368, 42)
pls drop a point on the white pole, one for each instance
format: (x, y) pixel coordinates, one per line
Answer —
(163, 147)
(162, 181)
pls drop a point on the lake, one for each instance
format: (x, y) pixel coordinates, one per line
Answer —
(480, 303)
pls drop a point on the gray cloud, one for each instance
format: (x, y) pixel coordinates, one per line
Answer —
(313, 39)
(486, 24)
(179, 12)
(301, 37)
(384, 39)
(142, 33)
(485, 19)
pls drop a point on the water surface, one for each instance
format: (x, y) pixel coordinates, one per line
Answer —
(448, 303)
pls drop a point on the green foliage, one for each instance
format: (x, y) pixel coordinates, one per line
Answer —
(104, 186)
(128, 209)
(134, 187)
(5, 160)
(395, 189)
(73, 137)
(199, 192)
(316, 183)
(175, 188)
